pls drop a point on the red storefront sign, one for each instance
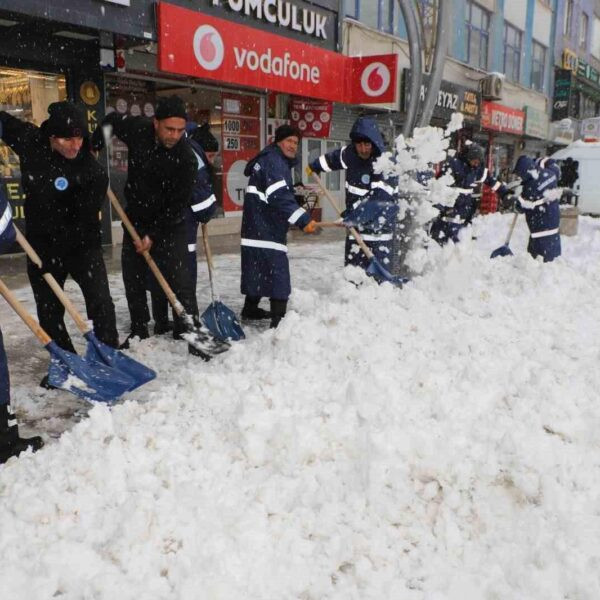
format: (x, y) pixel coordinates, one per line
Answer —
(240, 133)
(311, 117)
(497, 117)
(193, 43)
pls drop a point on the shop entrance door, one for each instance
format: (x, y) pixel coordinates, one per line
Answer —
(334, 181)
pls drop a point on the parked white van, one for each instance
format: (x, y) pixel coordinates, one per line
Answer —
(587, 187)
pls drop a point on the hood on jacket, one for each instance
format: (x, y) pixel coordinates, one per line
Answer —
(270, 149)
(366, 127)
(525, 167)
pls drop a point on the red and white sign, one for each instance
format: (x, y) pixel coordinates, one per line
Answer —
(311, 117)
(240, 133)
(498, 117)
(196, 44)
(376, 78)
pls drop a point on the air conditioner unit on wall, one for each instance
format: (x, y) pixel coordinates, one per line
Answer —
(491, 87)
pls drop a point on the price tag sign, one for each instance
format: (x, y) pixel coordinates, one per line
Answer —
(231, 143)
(232, 126)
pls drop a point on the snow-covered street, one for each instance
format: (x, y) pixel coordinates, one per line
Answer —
(439, 442)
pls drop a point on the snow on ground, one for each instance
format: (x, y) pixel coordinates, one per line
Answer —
(438, 442)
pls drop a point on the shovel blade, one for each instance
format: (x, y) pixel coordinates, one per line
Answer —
(199, 337)
(222, 322)
(502, 251)
(376, 270)
(99, 352)
(86, 378)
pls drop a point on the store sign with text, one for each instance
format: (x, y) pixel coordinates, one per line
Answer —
(451, 98)
(536, 123)
(497, 117)
(196, 44)
(562, 94)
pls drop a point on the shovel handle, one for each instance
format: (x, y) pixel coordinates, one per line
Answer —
(209, 260)
(58, 291)
(329, 224)
(352, 230)
(512, 228)
(171, 297)
(35, 327)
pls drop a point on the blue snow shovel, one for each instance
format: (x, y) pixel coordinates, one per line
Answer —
(220, 320)
(504, 250)
(85, 378)
(97, 351)
(375, 269)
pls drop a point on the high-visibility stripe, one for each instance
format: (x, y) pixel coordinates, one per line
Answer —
(191, 247)
(484, 176)
(296, 215)
(546, 183)
(456, 220)
(5, 218)
(252, 189)
(264, 244)
(530, 204)
(369, 237)
(547, 232)
(323, 163)
(344, 165)
(496, 186)
(385, 187)
(204, 204)
(356, 190)
(275, 186)
(543, 162)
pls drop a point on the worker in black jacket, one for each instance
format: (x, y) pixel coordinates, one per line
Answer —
(64, 189)
(160, 179)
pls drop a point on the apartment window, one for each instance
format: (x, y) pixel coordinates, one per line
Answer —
(351, 8)
(583, 29)
(386, 15)
(512, 52)
(538, 63)
(568, 17)
(478, 35)
(596, 38)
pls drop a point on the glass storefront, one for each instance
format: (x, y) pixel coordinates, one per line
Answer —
(25, 95)
(235, 120)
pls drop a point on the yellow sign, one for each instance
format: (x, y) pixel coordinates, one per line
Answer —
(89, 93)
(569, 60)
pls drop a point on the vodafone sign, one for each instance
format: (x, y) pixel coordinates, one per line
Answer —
(192, 43)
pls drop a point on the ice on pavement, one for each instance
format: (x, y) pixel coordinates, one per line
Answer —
(438, 442)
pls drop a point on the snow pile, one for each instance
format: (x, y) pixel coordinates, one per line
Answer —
(438, 442)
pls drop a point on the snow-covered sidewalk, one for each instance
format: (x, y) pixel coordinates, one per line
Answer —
(438, 442)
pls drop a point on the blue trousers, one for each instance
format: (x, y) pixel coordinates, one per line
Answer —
(4, 380)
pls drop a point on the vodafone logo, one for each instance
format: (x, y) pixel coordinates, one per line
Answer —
(375, 79)
(208, 47)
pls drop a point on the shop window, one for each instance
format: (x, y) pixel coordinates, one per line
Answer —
(25, 95)
(512, 52)
(583, 30)
(369, 13)
(351, 8)
(568, 18)
(478, 35)
(538, 62)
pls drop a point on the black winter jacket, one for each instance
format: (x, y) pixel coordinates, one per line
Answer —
(160, 180)
(63, 197)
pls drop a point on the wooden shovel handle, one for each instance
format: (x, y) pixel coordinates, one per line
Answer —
(207, 249)
(329, 224)
(171, 297)
(35, 327)
(60, 294)
(512, 228)
(352, 230)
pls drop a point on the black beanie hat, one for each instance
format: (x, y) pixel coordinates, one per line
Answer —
(202, 135)
(66, 120)
(170, 106)
(286, 131)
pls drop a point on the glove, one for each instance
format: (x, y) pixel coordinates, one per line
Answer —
(312, 227)
(308, 171)
(507, 202)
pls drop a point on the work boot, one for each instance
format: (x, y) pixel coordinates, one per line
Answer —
(139, 331)
(251, 311)
(161, 327)
(278, 310)
(10, 442)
